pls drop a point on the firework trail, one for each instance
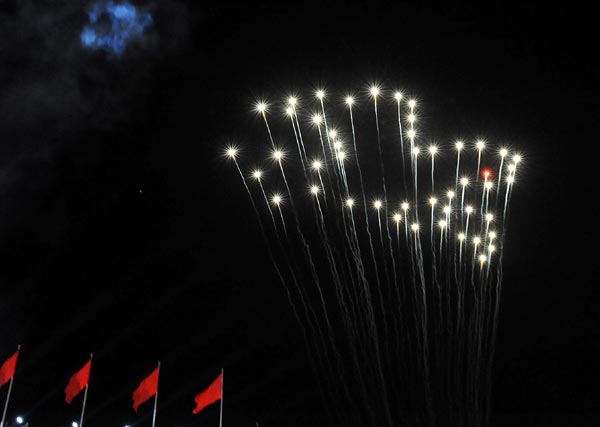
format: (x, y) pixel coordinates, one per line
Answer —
(399, 333)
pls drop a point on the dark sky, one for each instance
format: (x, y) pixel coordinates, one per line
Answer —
(124, 233)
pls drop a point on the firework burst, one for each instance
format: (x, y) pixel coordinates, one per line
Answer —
(390, 251)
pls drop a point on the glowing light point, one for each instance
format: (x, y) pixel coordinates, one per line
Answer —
(374, 90)
(332, 133)
(482, 258)
(489, 217)
(476, 241)
(411, 118)
(512, 167)
(459, 145)
(314, 189)
(491, 248)
(397, 217)
(257, 174)
(447, 209)
(320, 94)
(404, 206)
(231, 152)
(337, 145)
(350, 202)
(433, 150)
(517, 158)
(317, 119)
(486, 173)
(278, 154)
(503, 152)
(492, 235)
(261, 107)
(341, 156)
(414, 227)
(398, 96)
(469, 210)
(450, 194)
(377, 204)
(412, 103)
(464, 182)
(74, 424)
(432, 201)
(461, 236)
(416, 151)
(480, 145)
(289, 111)
(411, 133)
(442, 224)
(276, 199)
(489, 185)
(316, 165)
(510, 180)
(349, 100)
(19, 420)
(292, 101)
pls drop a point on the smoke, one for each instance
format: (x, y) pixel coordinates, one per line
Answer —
(69, 66)
(113, 25)
(61, 102)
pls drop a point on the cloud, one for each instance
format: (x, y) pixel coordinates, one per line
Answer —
(112, 26)
(69, 66)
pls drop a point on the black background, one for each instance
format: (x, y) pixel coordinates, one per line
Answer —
(124, 232)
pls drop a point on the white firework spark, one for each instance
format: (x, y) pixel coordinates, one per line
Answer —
(417, 323)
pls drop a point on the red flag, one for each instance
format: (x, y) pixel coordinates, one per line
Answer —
(213, 393)
(78, 382)
(7, 371)
(147, 388)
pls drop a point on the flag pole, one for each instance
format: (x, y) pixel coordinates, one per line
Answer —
(83, 408)
(85, 398)
(222, 384)
(8, 395)
(155, 401)
(6, 403)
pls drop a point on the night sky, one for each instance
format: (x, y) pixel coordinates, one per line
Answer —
(124, 232)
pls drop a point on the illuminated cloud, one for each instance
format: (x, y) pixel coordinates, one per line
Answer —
(112, 25)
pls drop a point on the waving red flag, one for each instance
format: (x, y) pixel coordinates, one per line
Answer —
(213, 393)
(7, 371)
(147, 388)
(78, 382)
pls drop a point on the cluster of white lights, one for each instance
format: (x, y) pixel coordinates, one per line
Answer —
(448, 208)
(320, 94)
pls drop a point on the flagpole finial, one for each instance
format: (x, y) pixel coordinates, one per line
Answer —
(18, 347)
(91, 355)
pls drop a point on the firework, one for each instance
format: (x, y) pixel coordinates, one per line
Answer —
(399, 319)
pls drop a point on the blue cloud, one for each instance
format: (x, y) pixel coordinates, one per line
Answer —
(113, 25)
